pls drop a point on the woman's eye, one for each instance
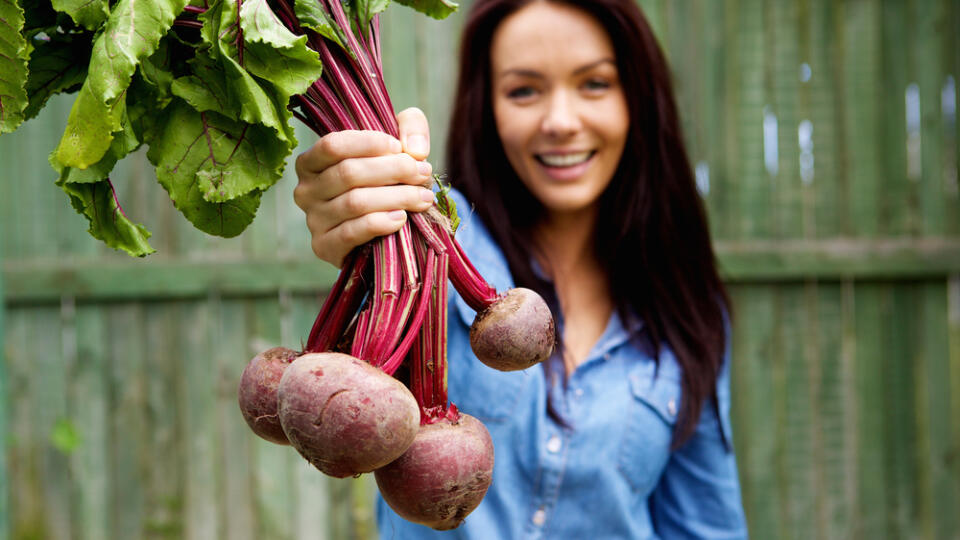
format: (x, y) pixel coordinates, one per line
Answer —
(596, 84)
(520, 92)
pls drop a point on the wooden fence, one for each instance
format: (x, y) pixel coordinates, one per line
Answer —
(824, 136)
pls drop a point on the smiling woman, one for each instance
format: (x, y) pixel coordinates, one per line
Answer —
(569, 152)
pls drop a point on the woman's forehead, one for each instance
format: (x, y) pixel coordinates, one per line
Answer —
(544, 35)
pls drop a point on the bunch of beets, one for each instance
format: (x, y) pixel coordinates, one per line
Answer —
(337, 401)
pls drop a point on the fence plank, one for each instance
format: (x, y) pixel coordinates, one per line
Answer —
(273, 465)
(862, 114)
(898, 197)
(4, 419)
(89, 401)
(125, 372)
(932, 358)
(871, 521)
(755, 429)
(49, 413)
(236, 506)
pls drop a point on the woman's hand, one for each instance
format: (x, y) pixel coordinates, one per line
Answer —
(357, 185)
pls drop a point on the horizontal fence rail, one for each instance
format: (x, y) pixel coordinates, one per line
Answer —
(38, 280)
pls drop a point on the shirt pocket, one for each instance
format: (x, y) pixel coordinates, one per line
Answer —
(652, 414)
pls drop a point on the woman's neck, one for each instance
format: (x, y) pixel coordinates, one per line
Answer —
(566, 240)
(580, 281)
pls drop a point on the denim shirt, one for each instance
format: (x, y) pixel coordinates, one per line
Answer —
(609, 473)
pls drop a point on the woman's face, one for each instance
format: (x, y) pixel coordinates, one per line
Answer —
(558, 104)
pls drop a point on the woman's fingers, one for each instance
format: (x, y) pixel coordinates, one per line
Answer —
(360, 215)
(339, 145)
(334, 245)
(360, 201)
(357, 185)
(414, 132)
(360, 172)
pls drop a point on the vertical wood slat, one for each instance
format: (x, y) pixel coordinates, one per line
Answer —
(165, 413)
(953, 358)
(898, 201)
(4, 421)
(862, 114)
(754, 428)
(126, 380)
(927, 63)
(236, 509)
(89, 402)
(933, 403)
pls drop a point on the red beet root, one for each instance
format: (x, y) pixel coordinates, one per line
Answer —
(257, 393)
(443, 476)
(345, 416)
(513, 333)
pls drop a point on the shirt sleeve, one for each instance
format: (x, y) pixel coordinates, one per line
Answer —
(698, 495)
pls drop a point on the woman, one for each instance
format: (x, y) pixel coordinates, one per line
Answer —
(566, 144)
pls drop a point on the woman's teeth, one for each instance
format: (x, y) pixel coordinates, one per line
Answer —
(564, 160)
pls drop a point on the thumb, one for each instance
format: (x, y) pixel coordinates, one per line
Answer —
(414, 133)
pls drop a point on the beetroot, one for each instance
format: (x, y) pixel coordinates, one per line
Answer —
(345, 416)
(513, 333)
(257, 393)
(443, 476)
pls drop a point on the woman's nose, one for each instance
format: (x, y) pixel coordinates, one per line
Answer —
(561, 117)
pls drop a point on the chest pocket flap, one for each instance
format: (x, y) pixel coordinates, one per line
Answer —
(661, 394)
(645, 447)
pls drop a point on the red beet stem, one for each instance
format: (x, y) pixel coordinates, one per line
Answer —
(420, 314)
(341, 304)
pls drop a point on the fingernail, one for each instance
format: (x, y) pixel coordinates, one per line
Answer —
(426, 195)
(424, 168)
(397, 215)
(417, 144)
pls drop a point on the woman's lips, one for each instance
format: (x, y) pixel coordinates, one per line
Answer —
(565, 166)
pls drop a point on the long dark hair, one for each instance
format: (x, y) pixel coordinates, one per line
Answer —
(652, 238)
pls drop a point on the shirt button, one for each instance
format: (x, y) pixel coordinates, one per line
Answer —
(539, 517)
(672, 407)
(606, 356)
(554, 444)
(578, 392)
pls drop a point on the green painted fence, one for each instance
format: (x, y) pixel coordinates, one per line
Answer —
(825, 140)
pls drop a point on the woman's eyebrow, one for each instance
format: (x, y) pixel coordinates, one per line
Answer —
(523, 72)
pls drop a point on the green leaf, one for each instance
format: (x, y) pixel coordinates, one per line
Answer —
(274, 53)
(364, 10)
(64, 436)
(131, 34)
(446, 204)
(157, 69)
(89, 130)
(88, 13)
(244, 96)
(312, 16)
(98, 202)
(92, 195)
(13, 66)
(57, 65)
(215, 168)
(438, 9)
(206, 91)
